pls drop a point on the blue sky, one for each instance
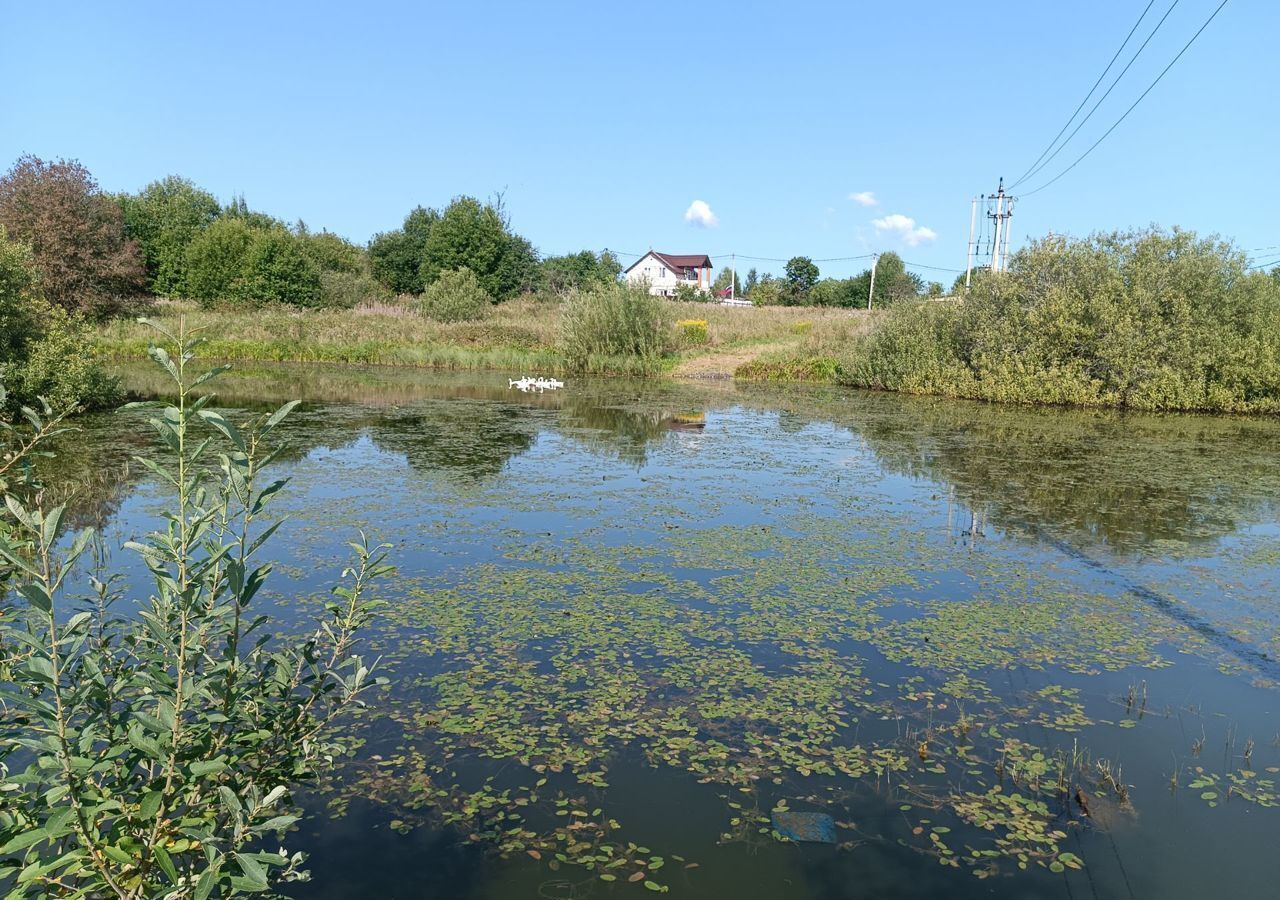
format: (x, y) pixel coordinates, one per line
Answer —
(604, 122)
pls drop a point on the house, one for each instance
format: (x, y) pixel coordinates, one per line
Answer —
(664, 272)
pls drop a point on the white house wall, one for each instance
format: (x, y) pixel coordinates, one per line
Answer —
(661, 279)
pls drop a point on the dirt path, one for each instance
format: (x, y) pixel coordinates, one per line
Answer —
(721, 364)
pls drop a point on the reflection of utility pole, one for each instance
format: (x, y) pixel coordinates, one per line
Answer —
(1000, 246)
(871, 290)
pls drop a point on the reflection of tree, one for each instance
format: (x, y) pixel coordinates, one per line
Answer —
(475, 439)
(1124, 481)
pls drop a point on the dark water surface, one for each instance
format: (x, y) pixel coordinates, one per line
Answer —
(634, 620)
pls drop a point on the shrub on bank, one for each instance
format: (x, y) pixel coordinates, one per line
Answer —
(456, 296)
(45, 351)
(613, 320)
(1148, 320)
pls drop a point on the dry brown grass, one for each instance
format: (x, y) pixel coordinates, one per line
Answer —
(519, 334)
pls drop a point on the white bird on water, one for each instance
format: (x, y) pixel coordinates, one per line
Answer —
(539, 384)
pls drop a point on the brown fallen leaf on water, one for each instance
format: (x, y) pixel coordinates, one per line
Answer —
(692, 866)
(534, 853)
(917, 830)
(636, 876)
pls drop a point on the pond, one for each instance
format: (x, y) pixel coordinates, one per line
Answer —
(638, 625)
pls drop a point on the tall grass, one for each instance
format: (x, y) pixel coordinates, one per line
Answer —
(614, 320)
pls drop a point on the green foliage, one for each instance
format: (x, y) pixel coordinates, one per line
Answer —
(17, 298)
(475, 236)
(577, 271)
(768, 291)
(687, 293)
(233, 259)
(395, 257)
(893, 282)
(455, 297)
(329, 252)
(60, 366)
(613, 320)
(723, 280)
(215, 258)
(44, 350)
(1146, 320)
(275, 269)
(345, 290)
(839, 292)
(75, 232)
(802, 275)
(158, 749)
(163, 218)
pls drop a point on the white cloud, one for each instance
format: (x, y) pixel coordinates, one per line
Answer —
(904, 228)
(865, 198)
(700, 214)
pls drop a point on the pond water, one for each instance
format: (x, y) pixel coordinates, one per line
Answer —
(635, 622)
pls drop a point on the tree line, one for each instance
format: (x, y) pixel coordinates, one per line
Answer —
(801, 284)
(93, 251)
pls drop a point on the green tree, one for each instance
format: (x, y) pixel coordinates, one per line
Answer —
(332, 253)
(722, 281)
(276, 269)
(477, 236)
(163, 219)
(395, 257)
(75, 232)
(752, 278)
(801, 275)
(579, 270)
(216, 257)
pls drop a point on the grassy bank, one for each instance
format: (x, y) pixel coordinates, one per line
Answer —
(518, 336)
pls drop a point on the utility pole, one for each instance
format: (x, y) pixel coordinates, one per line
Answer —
(733, 275)
(973, 221)
(871, 290)
(1000, 246)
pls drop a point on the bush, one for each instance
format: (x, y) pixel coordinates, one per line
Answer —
(44, 350)
(276, 270)
(455, 296)
(1146, 320)
(346, 290)
(234, 259)
(613, 320)
(156, 750)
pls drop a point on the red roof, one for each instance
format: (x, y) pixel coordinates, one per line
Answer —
(676, 262)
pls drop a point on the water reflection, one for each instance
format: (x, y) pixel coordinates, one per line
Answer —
(1129, 484)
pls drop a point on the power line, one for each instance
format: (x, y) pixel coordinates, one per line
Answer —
(1135, 103)
(1067, 125)
(1089, 115)
(1266, 263)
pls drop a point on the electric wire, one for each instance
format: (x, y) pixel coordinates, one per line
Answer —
(1089, 115)
(1067, 124)
(1106, 133)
